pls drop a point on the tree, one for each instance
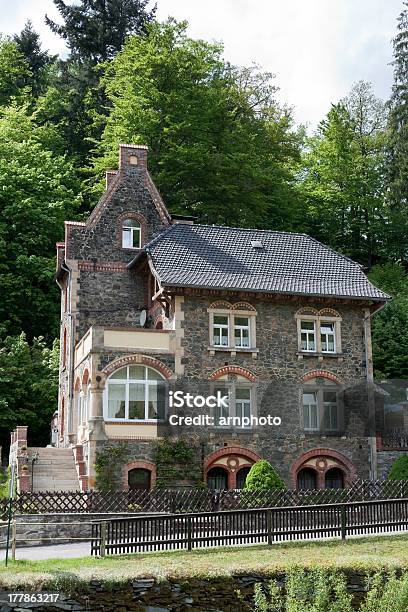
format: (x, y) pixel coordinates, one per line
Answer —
(390, 326)
(398, 140)
(95, 30)
(262, 476)
(29, 45)
(343, 177)
(14, 71)
(220, 146)
(39, 191)
(28, 387)
(399, 469)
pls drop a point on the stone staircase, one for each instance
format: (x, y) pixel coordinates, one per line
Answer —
(55, 470)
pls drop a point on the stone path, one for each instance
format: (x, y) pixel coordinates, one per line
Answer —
(57, 551)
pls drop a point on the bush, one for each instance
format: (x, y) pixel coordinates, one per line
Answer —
(399, 469)
(262, 476)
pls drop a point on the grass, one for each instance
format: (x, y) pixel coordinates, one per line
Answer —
(365, 554)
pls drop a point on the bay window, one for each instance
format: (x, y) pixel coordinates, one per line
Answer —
(133, 393)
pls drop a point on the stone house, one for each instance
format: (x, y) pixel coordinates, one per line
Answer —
(275, 324)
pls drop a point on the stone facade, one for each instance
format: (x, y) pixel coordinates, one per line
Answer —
(101, 302)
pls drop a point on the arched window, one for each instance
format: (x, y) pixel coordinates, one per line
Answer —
(241, 477)
(306, 479)
(334, 479)
(217, 478)
(135, 393)
(139, 478)
(131, 234)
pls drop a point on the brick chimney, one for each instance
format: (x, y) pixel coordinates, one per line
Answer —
(132, 159)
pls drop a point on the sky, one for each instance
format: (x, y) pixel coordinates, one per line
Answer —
(316, 48)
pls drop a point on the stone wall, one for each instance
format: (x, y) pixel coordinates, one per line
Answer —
(212, 594)
(385, 459)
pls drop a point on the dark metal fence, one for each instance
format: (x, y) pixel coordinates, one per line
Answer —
(396, 438)
(176, 501)
(235, 527)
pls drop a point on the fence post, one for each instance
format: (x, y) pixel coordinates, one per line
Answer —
(13, 540)
(103, 538)
(343, 521)
(189, 540)
(269, 526)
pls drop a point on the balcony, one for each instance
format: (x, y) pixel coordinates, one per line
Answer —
(129, 339)
(393, 439)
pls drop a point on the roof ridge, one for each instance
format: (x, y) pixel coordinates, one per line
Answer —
(247, 229)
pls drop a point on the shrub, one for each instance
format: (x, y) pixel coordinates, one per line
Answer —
(399, 469)
(262, 476)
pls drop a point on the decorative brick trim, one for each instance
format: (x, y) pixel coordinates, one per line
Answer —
(306, 310)
(329, 312)
(138, 359)
(137, 217)
(144, 465)
(345, 464)
(232, 370)
(243, 306)
(220, 304)
(106, 266)
(321, 374)
(232, 452)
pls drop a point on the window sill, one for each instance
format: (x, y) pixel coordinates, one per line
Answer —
(131, 248)
(136, 421)
(233, 350)
(319, 356)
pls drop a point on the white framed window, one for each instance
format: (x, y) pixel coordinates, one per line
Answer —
(220, 330)
(321, 407)
(327, 337)
(133, 394)
(319, 331)
(232, 328)
(131, 234)
(242, 332)
(310, 411)
(308, 335)
(241, 403)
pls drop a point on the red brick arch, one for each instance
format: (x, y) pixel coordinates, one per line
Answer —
(138, 360)
(232, 370)
(321, 374)
(350, 473)
(230, 451)
(144, 465)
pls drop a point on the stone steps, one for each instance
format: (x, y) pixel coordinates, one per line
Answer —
(54, 470)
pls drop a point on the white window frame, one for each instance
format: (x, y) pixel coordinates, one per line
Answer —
(309, 406)
(232, 315)
(328, 335)
(231, 389)
(132, 231)
(127, 382)
(322, 421)
(220, 327)
(310, 336)
(241, 329)
(318, 321)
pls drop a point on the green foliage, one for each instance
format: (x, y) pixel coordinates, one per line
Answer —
(342, 177)
(263, 476)
(390, 326)
(39, 191)
(399, 469)
(96, 30)
(107, 462)
(14, 71)
(220, 146)
(29, 45)
(316, 590)
(28, 386)
(176, 460)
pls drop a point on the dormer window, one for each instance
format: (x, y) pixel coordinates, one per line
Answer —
(131, 234)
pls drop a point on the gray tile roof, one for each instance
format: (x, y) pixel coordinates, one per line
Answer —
(217, 257)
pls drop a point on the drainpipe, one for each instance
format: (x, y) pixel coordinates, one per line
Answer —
(71, 353)
(370, 388)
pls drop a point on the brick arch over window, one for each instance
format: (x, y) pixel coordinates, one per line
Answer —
(232, 370)
(341, 461)
(137, 217)
(220, 305)
(236, 457)
(138, 360)
(141, 465)
(321, 374)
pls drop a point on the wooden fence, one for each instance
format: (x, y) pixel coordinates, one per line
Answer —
(236, 527)
(171, 501)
